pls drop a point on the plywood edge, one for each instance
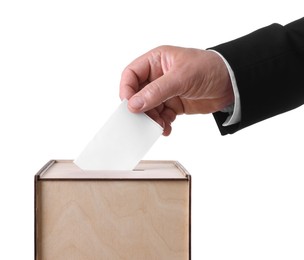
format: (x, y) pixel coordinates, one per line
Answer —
(182, 169)
(36, 217)
(190, 215)
(44, 169)
(189, 178)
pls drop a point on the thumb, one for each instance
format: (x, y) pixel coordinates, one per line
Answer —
(154, 94)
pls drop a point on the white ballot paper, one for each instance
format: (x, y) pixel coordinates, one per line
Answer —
(121, 143)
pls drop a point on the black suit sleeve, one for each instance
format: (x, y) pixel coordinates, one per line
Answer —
(269, 69)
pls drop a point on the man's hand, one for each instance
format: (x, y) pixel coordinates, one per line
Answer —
(169, 81)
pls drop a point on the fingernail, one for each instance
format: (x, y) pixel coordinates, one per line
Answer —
(136, 103)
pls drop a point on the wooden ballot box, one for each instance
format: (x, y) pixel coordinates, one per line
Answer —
(143, 214)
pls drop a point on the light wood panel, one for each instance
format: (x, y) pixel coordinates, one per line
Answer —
(113, 220)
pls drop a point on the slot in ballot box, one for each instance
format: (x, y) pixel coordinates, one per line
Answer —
(141, 214)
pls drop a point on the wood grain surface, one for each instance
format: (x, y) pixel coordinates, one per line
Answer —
(112, 219)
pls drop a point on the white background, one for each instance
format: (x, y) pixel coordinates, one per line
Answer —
(60, 67)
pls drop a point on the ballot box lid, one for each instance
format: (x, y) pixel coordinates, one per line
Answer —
(146, 169)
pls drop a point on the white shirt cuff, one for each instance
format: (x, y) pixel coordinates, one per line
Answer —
(234, 110)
